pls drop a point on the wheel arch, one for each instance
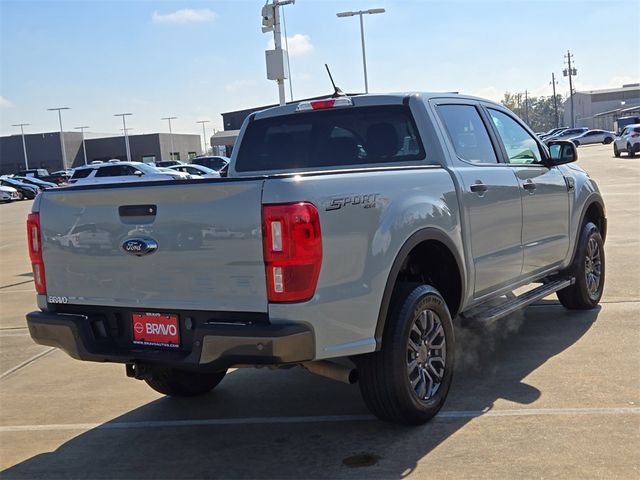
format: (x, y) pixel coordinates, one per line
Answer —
(449, 269)
(593, 211)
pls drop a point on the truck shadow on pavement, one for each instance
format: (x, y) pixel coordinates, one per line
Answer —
(491, 366)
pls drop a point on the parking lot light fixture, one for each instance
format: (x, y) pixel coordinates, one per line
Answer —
(170, 135)
(126, 136)
(84, 148)
(24, 145)
(204, 135)
(64, 152)
(360, 13)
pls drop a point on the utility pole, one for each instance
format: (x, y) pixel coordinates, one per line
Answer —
(170, 135)
(526, 106)
(204, 135)
(555, 99)
(570, 72)
(84, 148)
(277, 66)
(24, 145)
(64, 150)
(126, 135)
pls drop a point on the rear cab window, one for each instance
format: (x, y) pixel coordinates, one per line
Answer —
(335, 137)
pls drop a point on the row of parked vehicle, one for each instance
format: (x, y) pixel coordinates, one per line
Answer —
(26, 184)
(628, 140)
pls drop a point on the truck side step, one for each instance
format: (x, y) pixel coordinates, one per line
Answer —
(513, 304)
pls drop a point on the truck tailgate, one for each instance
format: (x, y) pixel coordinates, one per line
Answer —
(209, 245)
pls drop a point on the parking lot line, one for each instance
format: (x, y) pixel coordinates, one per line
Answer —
(27, 362)
(463, 414)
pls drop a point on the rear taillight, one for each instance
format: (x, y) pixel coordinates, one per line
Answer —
(34, 239)
(292, 251)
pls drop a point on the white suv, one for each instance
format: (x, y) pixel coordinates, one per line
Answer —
(117, 172)
(628, 141)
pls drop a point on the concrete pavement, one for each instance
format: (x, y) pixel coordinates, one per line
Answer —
(549, 393)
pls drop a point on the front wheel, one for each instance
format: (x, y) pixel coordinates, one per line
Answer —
(616, 152)
(576, 143)
(407, 381)
(630, 151)
(608, 140)
(183, 383)
(588, 271)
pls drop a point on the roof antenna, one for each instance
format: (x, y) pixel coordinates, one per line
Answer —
(336, 90)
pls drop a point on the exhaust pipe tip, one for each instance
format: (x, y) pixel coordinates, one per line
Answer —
(334, 371)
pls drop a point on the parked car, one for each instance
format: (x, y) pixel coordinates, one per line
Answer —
(41, 184)
(174, 173)
(168, 163)
(628, 141)
(8, 194)
(43, 174)
(117, 172)
(593, 136)
(28, 191)
(566, 134)
(384, 217)
(552, 132)
(196, 170)
(216, 163)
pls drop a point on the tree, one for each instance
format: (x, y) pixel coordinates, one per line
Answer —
(537, 112)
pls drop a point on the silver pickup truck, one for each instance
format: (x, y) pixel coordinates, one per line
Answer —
(349, 233)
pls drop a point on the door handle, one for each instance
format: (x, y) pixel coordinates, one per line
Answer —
(529, 185)
(478, 187)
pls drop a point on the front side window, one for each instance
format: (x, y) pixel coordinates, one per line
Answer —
(467, 133)
(81, 173)
(521, 148)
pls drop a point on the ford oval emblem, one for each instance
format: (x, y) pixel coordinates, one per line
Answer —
(139, 246)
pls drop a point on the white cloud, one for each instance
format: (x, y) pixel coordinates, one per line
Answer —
(4, 103)
(239, 85)
(299, 45)
(185, 15)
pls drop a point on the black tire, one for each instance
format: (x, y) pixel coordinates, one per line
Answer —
(584, 294)
(630, 150)
(616, 152)
(385, 376)
(183, 383)
(576, 143)
(608, 140)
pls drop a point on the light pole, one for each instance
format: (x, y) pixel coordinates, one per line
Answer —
(170, 135)
(84, 148)
(277, 65)
(126, 136)
(360, 13)
(24, 145)
(570, 72)
(64, 152)
(204, 135)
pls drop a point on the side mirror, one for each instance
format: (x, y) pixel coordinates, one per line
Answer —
(562, 151)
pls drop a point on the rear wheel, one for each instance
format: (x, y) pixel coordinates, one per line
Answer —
(608, 140)
(588, 271)
(630, 150)
(616, 152)
(407, 381)
(576, 143)
(183, 383)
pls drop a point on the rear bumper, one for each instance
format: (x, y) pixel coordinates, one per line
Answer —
(210, 346)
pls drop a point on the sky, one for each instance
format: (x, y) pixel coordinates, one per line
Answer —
(196, 59)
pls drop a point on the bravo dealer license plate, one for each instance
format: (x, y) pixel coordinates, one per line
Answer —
(155, 329)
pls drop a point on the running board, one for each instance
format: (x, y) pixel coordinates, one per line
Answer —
(516, 303)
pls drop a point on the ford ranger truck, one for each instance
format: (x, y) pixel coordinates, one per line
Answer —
(356, 229)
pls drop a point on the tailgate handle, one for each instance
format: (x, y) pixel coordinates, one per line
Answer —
(137, 210)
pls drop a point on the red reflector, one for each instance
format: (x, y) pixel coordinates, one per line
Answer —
(34, 240)
(292, 251)
(320, 104)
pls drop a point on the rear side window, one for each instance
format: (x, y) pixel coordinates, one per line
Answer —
(81, 173)
(468, 133)
(330, 138)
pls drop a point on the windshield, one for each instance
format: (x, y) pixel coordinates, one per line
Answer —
(329, 138)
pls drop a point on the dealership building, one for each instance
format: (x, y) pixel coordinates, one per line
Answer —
(44, 149)
(600, 108)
